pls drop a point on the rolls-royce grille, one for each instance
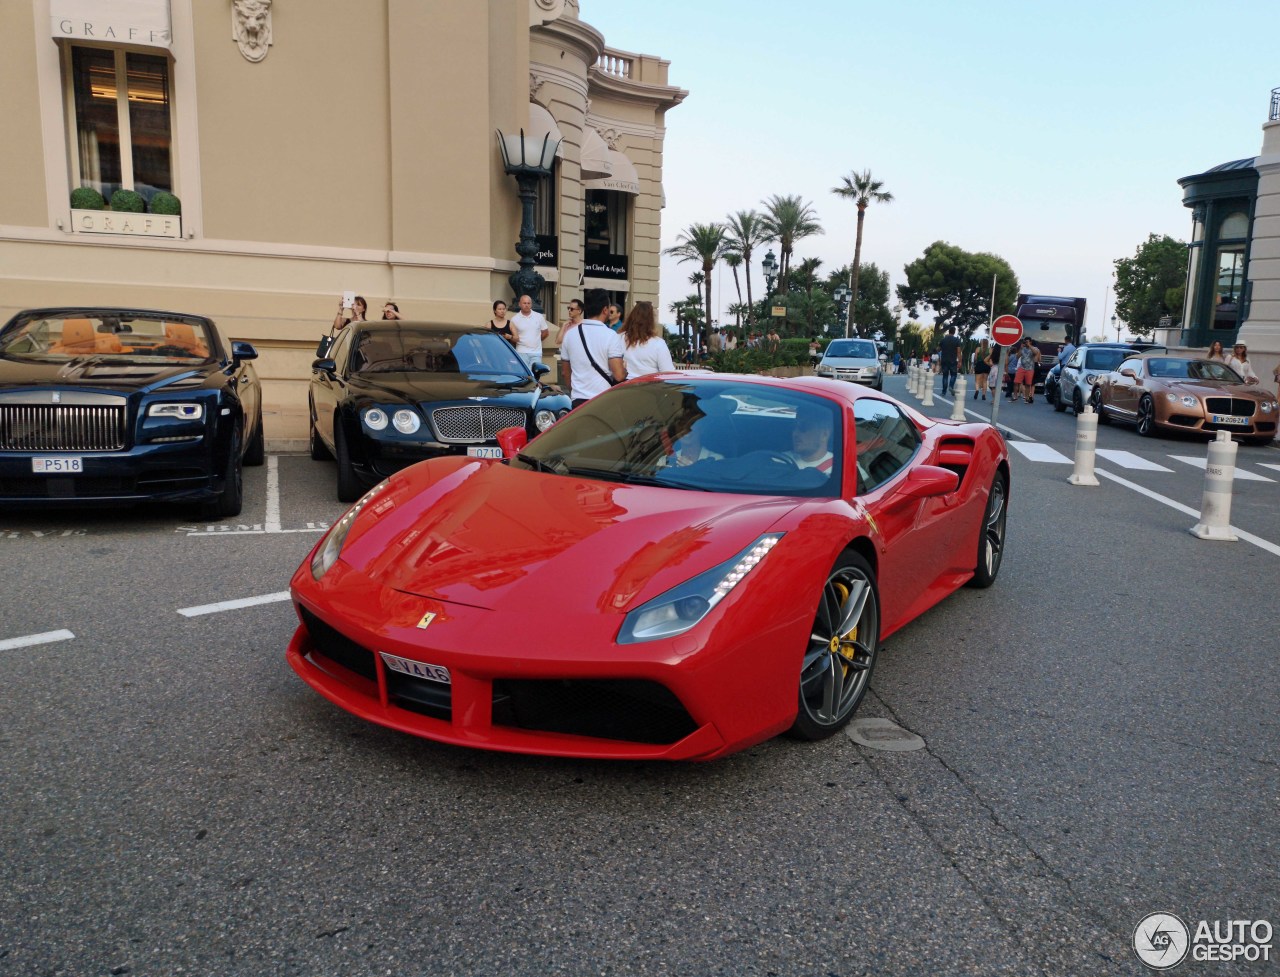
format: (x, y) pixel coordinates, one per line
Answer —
(474, 423)
(1235, 406)
(57, 427)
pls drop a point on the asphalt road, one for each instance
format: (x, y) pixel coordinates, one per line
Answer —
(1100, 729)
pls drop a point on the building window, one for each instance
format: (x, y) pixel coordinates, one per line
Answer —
(121, 103)
(607, 221)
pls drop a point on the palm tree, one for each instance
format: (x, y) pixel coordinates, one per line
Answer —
(862, 190)
(788, 220)
(744, 232)
(733, 261)
(704, 243)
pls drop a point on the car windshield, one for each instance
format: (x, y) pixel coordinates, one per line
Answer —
(119, 338)
(407, 349)
(699, 435)
(1052, 332)
(1104, 359)
(862, 349)
(1169, 368)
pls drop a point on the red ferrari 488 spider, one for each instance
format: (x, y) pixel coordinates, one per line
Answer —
(680, 568)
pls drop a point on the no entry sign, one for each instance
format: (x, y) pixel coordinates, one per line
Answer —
(1006, 330)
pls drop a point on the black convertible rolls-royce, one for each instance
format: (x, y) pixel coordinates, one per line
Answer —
(391, 393)
(106, 405)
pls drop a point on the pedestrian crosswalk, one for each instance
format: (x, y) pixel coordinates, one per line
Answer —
(1036, 451)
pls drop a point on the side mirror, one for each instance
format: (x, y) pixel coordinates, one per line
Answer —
(324, 366)
(929, 481)
(1129, 373)
(241, 350)
(512, 440)
(540, 370)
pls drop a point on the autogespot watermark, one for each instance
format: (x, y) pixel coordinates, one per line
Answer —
(1163, 940)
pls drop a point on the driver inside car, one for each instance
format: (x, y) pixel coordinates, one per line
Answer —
(811, 440)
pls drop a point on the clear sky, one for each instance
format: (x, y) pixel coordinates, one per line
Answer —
(1051, 134)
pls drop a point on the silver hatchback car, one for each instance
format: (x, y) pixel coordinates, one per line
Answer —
(856, 360)
(1084, 367)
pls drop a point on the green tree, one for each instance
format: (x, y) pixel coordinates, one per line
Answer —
(871, 311)
(744, 232)
(733, 261)
(788, 220)
(703, 243)
(956, 285)
(863, 190)
(1149, 283)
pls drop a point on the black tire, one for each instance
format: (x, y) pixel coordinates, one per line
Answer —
(1055, 398)
(256, 453)
(1096, 400)
(1146, 422)
(1077, 402)
(837, 664)
(230, 500)
(349, 487)
(991, 534)
(318, 450)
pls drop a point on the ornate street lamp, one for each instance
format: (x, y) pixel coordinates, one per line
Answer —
(1116, 326)
(528, 159)
(842, 296)
(770, 268)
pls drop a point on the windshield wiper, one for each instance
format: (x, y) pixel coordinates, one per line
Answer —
(537, 464)
(634, 479)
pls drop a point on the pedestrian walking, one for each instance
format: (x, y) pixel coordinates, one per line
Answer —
(1010, 370)
(531, 329)
(949, 359)
(982, 363)
(644, 350)
(1024, 380)
(594, 356)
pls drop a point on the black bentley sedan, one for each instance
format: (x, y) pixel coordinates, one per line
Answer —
(391, 393)
(106, 405)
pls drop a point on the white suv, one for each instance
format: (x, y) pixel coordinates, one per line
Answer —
(855, 360)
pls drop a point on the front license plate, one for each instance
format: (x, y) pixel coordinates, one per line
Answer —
(57, 464)
(1229, 419)
(484, 452)
(432, 673)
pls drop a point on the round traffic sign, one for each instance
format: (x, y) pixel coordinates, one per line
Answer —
(1006, 330)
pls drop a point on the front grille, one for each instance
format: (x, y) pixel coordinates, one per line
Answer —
(1235, 406)
(420, 695)
(338, 648)
(57, 427)
(474, 423)
(632, 710)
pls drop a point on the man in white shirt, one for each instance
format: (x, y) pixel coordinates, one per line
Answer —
(531, 329)
(810, 441)
(593, 353)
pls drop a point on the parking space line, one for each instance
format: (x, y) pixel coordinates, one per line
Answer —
(273, 494)
(1257, 541)
(233, 605)
(48, 637)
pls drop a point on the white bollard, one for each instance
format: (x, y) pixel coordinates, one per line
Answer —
(913, 380)
(961, 388)
(1086, 444)
(926, 381)
(1215, 506)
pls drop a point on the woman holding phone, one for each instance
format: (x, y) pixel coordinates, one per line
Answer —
(351, 308)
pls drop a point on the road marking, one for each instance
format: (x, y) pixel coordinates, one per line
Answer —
(47, 638)
(1257, 541)
(1035, 451)
(1240, 473)
(1268, 465)
(233, 605)
(256, 529)
(1127, 459)
(986, 419)
(273, 494)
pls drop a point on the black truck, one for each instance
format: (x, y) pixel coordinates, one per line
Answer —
(1050, 321)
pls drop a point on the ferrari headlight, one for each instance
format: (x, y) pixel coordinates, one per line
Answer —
(680, 608)
(543, 419)
(406, 421)
(375, 418)
(327, 553)
(183, 412)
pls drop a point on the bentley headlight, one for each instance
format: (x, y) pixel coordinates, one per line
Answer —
(182, 412)
(327, 553)
(1093, 378)
(680, 608)
(543, 419)
(1268, 406)
(375, 418)
(406, 421)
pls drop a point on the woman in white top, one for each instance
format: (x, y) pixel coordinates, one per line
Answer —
(1239, 361)
(646, 351)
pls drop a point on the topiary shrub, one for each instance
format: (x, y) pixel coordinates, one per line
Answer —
(165, 203)
(129, 201)
(87, 198)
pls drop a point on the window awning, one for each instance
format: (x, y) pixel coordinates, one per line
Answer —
(622, 177)
(144, 22)
(543, 123)
(595, 156)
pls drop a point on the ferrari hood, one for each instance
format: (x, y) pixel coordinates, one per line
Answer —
(485, 535)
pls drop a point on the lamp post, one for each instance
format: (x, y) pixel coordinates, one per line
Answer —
(842, 296)
(770, 268)
(528, 159)
(1116, 326)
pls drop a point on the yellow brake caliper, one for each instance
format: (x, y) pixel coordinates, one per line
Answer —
(843, 645)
